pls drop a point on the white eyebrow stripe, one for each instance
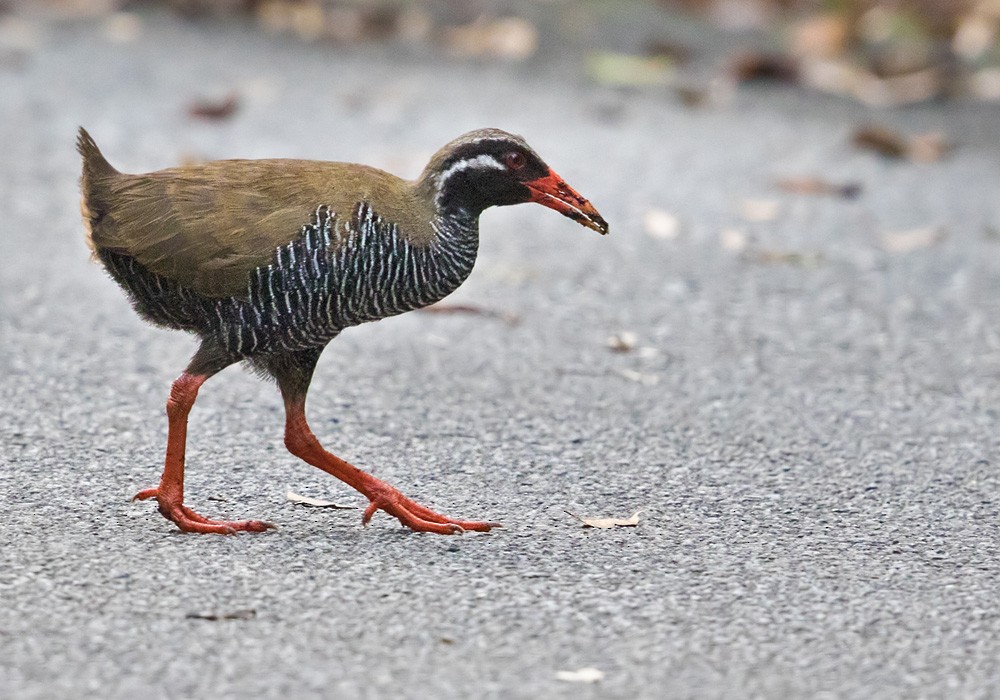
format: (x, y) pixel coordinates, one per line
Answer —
(483, 160)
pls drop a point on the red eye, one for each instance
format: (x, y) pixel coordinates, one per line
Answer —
(514, 160)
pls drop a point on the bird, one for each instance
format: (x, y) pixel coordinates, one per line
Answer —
(267, 261)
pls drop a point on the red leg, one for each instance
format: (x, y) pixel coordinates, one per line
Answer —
(301, 442)
(170, 493)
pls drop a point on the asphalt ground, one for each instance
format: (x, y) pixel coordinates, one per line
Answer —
(808, 418)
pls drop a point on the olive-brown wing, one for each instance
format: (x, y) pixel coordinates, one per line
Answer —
(208, 226)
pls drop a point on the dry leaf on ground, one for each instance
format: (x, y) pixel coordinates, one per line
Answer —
(678, 53)
(757, 65)
(628, 70)
(247, 614)
(822, 35)
(914, 239)
(511, 319)
(759, 209)
(733, 239)
(123, 27)
(660, 223)
(587, 674)
(608, 523)
(926, 148)
(881, 140)
(639, 377)
(512, 38)
(985, 84)
(930, 147)
(788, 257)
(221, 109)
(297, 499)
(623, 342)
(817, 185)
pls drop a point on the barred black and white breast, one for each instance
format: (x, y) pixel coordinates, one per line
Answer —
(339, 271)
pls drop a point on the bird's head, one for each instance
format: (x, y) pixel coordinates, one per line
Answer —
(490, 167)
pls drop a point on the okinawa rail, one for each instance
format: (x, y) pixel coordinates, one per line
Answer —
(266, 261)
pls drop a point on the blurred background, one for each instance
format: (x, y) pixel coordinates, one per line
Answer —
(881, 52)
(885, 52)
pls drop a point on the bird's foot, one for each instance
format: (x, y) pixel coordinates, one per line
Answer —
(415, 516)
(187, 520)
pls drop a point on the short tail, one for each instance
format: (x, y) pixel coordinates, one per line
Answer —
(95, 165)
(96, 171)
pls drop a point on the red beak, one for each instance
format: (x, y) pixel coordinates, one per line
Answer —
(553, 192)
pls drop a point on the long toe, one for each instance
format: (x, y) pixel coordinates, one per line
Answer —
(190, 521)
(427, 514)
(422, 519)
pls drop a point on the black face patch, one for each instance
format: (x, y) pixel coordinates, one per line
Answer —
(488, 172)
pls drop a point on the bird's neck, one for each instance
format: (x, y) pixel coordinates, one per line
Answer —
(456, 227)
(455, 244)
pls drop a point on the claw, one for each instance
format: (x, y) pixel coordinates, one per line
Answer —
(417, 517)
(190, 521)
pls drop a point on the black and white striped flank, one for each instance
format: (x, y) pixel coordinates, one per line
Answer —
(339, 272)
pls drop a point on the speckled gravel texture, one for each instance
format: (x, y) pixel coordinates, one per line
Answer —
(813, 439)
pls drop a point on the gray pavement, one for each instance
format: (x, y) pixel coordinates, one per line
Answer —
(813, 439)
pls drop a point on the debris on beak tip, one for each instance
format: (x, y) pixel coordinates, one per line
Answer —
(586, 215)
(553, 192)
(598, 224)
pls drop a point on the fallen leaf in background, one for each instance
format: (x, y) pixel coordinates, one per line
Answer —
(926, 148)
(974, 36)
(733, 239)
(897, 90)
(220, 109)
(297, 499)
(914, 239)
(581, 675)
(660, 223)
(511, 319)
(985, 84)
(623, 342)
(693, 94)
(784, 257)
(823, 35)
(512, 38)
(608, 523)
(759, 209)
(817, 185)
(846, 77)
(247, 614)
(836, 76)
(629, 70)
(881, 140)
(343, 22)
(639, 377)
(751, 66)
(123, 27)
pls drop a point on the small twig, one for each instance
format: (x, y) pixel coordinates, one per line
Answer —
(511, 319)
